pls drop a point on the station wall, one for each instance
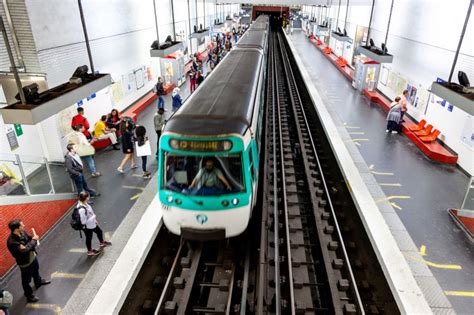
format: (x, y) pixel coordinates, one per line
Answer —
(423, 37)
(120, 34)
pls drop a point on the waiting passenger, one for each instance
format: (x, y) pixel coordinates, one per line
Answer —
(209, 177)
(75, 169)
(192, 80)
(160, 91)
(177, 101)
(80, 119)
(159, 122)
(404, 103)
(89, 220)
(84, 148)
(199, 78)
(141, 139)
(394, 116)
(102, 132)
(127, 146)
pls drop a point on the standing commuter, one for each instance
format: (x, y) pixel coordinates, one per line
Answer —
(160, 91)
(192, 80)
(127, 146)
(404, 103)
(23, 248)
(80, 119)
(393, 117)
(141, 140)
(84, 148)
(199, 78)
(75, 169)
(159, 122)
(177, 101)
(89, 220)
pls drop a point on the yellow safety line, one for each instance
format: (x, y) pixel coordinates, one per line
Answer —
(55, 308)
(357, 133)
(423, 250)
(391, 184)
(133, 187)
(434, 265)
(371, 167)
(352, 127)
(66, 275)
(360, 139)
(357, 143)
(393, 197)
(459, 293)
(393, 204)
(135, 196)
(381, 173)
(77, 250)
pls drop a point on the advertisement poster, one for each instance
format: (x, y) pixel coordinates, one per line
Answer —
(392, 81)
(401, 85)
(384, 75)
(117, 92)
(64, 118)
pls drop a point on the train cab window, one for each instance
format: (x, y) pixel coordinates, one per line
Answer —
(203, 175)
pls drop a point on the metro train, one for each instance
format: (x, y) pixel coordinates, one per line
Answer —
(208, 161)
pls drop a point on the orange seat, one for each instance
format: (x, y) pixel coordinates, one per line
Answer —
(419, 127)
(327, 50)
(432, 137)
(425, 131)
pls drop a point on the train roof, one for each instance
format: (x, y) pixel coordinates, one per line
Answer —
(259, 25)
(253, 39)
(224, 103)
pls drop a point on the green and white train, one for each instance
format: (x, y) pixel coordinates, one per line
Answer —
(209, 149)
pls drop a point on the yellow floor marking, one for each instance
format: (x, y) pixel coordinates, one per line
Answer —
(352, 127)
(133, 187)
(434, 265)
(393, 204)
(135, 197)
(423, 250)
(382, 173)
(459, 293)
(371, 167)
(393, 197)
(55, 308)
(108, 235)
(357, 143)
(391, 184)
(66, 275)
(357, 133)
(78, 250)
(360, 139)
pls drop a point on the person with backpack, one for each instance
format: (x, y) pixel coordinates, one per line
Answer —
(160, 91)
(89, 222)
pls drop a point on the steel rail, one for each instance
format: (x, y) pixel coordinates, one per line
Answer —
(326, 190)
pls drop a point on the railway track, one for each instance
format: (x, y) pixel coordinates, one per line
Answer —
(305, 250)
(309, 266)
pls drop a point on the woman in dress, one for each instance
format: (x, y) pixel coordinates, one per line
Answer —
(127, 146)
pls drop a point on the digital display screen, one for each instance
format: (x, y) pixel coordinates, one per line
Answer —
(200, 146)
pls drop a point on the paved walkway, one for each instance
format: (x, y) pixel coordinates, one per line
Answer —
(62, 254)
(421, 190)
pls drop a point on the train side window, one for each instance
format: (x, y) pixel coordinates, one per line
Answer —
(252, 171)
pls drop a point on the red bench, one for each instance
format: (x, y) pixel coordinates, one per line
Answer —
(433, 149)
(133, 110)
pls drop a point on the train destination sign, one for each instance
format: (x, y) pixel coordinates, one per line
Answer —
(200, 146)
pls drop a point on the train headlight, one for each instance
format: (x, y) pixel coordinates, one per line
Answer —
(178, 201)
(170, 199)
(235, 201)
(227, 145)
(225, 203)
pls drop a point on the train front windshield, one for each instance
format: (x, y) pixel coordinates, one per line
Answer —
(203, 175)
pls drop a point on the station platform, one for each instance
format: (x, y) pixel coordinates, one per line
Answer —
(412, 192)
(62, 253)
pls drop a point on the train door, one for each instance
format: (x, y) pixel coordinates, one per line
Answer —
(253, 168)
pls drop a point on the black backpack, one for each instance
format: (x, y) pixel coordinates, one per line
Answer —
(76, 223)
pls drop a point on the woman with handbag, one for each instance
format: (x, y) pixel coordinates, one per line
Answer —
(127, 145)
(84, 149)
(143, 148)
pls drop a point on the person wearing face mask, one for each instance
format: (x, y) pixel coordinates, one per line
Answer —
(209, 177)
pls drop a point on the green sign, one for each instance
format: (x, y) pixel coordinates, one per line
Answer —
(18, 130)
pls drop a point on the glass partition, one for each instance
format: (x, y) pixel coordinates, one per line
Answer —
(32, 175)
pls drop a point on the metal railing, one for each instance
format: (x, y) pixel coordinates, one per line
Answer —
(23, 175)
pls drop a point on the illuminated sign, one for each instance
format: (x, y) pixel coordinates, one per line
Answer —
(200, 146)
